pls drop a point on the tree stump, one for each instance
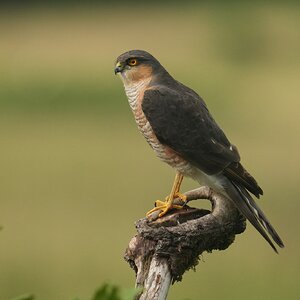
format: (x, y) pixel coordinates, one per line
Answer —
(164, 248)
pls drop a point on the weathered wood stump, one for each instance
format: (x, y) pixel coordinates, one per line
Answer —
(164, 248)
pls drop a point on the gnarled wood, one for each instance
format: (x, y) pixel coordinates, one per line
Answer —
(164, 248)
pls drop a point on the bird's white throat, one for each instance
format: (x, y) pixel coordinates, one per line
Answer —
(135, 91)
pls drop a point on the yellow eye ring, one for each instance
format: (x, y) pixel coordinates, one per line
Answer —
(132, 62)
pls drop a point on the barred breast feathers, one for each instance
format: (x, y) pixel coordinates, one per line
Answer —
(135, 94)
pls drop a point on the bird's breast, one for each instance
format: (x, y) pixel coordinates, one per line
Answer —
(135, 95)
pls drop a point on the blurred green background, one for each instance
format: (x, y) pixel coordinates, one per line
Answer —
(75, 173)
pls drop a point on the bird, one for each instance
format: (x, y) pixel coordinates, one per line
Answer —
(178, 126)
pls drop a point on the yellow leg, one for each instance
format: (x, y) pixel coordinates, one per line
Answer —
(168, 204)
(177, 190)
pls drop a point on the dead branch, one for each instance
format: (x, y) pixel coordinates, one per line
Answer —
(164, 248)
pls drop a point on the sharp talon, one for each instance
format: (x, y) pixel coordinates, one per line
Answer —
(152, 211)
(167, 208)
(164, 207)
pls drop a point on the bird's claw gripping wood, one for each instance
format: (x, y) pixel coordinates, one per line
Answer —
(182, 197)
(165, 206)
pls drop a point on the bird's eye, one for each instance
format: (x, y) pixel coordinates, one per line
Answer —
(132, 62)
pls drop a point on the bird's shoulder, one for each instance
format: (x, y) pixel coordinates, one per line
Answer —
(176, 92)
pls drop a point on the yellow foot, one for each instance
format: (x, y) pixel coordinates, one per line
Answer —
(182, 197)
(167, 205)
(164, 207)
(159, 203)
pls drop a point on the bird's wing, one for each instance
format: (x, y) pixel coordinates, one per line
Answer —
(183, 122)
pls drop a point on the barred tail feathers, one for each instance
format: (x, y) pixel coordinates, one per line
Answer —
(247, 206)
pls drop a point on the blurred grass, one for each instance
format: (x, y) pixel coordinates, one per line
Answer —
(75, 173)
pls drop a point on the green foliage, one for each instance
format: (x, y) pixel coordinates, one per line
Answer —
(113, 292)
(105, 292)
(44, 96)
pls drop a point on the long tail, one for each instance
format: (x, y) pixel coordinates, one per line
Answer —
(247, 206)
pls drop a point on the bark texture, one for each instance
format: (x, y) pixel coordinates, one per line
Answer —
(164, 248)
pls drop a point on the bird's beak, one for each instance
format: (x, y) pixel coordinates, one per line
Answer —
(119, 67)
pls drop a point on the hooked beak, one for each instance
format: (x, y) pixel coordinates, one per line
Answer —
(119, 67)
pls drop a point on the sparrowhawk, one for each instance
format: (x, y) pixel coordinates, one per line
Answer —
(179, 128)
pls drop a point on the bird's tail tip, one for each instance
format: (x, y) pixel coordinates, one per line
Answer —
(254, 214)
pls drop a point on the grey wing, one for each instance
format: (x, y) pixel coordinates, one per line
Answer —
(182, 121)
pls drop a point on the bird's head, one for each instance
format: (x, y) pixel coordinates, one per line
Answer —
(136, 65)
